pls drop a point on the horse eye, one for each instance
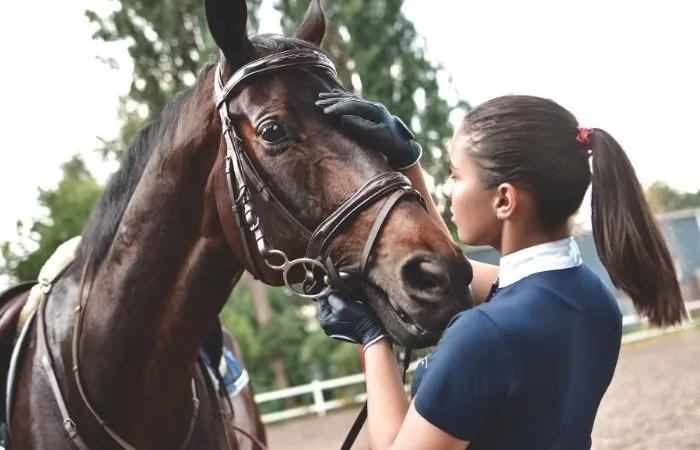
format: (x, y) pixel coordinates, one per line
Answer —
(272, 132)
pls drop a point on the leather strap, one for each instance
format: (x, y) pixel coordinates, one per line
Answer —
(232, 170)
(355, 428)
(263, 189)
(370, 192)
(239, 171)
(68, 423)
(336, 279)
(222, 431)
(377, 226)
(251, 176)
(276, 62)
(243, 179)
(77, 332)
(250, 436)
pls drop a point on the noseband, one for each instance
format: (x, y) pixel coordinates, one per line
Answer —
(321, 274)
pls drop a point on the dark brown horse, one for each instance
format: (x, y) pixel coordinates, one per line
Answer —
(253, 178)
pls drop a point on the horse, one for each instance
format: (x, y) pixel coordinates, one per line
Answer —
(220, 346)
(239, 172)
(246, 424)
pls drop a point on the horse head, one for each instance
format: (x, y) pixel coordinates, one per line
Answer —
(300, 202)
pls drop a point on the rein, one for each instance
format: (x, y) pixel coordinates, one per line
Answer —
(250, 436)
(68, 423)
(362, 415)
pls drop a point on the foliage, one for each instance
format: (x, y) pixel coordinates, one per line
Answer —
(307, 353)
(168, 42)
(664, 198)
(67, 208)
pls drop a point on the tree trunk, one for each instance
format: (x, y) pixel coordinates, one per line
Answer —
(263, 313)
(261, 303)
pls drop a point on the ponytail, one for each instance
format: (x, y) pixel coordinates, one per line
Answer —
(627, 237)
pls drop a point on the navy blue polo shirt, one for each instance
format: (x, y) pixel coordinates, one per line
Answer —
(527, 369)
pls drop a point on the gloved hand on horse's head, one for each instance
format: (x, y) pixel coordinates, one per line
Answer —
(349, 321)
(372, 124)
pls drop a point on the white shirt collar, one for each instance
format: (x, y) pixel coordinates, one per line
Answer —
(562, 254)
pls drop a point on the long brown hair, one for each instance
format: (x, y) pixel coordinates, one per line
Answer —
(627, 237)
(538, 143)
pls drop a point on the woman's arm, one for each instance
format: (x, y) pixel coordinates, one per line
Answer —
(386, 398)
(466, 381)
(389, 412)
(484, 274)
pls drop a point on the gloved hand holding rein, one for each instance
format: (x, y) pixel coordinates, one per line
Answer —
(349, 321)
(372, 124)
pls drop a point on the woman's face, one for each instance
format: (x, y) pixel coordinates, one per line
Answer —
(471, 205)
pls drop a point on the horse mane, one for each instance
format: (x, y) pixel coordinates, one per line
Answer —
(109, 209)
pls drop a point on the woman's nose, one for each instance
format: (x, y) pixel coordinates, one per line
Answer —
(447, 188)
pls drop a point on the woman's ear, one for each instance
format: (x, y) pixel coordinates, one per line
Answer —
(506, 201)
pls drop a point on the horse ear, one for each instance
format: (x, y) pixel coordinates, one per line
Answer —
(227, 22)
(314, 27)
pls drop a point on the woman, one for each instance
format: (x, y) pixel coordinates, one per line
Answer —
(526, 368)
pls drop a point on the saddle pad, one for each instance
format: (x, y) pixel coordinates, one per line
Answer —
(53, 267)
(230, 371)
(12, 301)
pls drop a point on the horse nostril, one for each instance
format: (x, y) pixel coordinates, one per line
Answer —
(426, 278)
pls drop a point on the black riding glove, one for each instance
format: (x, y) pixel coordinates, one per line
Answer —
(372, 124)
(350, 321)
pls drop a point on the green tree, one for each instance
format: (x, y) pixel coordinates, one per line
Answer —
(379, 56)
(67, 208)
(285, 339)
(168, 43)
(664, 198)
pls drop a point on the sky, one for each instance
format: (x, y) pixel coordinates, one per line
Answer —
(627, 69)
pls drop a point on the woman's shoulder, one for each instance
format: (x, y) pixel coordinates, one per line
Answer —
(550, 303)
(473, 328)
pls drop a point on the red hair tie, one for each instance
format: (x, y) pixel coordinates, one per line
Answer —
(583, 138)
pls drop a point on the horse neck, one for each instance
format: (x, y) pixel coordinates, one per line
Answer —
(157, 293)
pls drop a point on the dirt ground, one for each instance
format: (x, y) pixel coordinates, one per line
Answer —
(652, 403)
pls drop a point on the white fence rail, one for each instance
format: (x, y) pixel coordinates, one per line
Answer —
(321, 405)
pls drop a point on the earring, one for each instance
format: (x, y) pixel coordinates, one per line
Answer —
(499, 215)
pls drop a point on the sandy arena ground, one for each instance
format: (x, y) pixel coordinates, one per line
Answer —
(653, 403)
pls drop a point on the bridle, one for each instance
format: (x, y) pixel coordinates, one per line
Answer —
(321, 274)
